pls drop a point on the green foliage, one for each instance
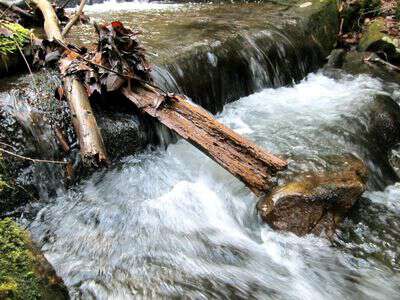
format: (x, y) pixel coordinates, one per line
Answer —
(397, 11)
(17, 270)
(370, 8)
(12, 36)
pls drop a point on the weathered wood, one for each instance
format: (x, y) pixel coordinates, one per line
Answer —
(241, 157)
(84, 122)
(51, 24)
(90, 140)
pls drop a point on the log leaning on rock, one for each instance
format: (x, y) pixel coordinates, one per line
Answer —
(91, 143)
(241, 157)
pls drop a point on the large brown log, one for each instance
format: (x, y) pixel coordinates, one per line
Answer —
(241, 157)
(91, 143)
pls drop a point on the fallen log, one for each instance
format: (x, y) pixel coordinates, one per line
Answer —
(120, 64)
(91, 143)
(241, 157)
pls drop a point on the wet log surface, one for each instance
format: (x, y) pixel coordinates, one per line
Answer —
(244, 159)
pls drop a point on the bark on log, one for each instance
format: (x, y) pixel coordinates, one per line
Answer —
(241, 157)
(91, 143)
(85, 124)
(51, 24)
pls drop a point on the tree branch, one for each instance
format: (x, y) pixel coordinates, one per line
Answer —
(74, 19)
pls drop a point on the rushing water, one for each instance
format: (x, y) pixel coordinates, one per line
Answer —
(173, 223)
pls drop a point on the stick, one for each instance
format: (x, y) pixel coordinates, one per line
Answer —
(91, 143)
(74, 19)
(33, 159)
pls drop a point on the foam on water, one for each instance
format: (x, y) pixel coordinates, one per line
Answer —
(173, 223)
(113, 5)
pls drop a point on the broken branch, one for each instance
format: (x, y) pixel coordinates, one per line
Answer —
(91, 143)
(32, 159)
(74, 19)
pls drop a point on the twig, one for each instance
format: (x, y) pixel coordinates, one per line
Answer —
(27, 64)
(74, 19)
(380, 60)
(32, 159)
(7, 145)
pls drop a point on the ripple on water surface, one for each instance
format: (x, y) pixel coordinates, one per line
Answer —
(173, 223)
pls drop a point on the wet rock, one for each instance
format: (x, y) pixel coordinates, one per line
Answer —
(354, 64)
(374, 39)
(24, 272)
(314, 203)
(336, 58)
(384, 123)
(394, 160)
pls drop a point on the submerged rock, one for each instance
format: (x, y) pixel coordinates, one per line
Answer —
(314, 203)
(24, 272)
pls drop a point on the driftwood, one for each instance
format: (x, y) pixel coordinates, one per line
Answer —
(91, 143)
(241, 157)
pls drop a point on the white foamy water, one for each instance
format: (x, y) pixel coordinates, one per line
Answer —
(113, 6)
(174, 224)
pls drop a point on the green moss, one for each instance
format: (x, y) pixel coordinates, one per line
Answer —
(397, 11)
(17, 269)
(9, 43)
(372, 34)
(12, 38)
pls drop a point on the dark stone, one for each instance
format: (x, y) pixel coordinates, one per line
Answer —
(384, 123)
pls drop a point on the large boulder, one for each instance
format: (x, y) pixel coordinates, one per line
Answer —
(384, 122)
(24, 272)
(314, 203)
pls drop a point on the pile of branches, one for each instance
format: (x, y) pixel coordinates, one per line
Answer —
(119, 59)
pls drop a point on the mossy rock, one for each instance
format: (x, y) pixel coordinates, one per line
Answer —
(24, 272)
(375, 40)
(13, 38)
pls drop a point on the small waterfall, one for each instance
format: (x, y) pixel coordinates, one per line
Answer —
(217, 74)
